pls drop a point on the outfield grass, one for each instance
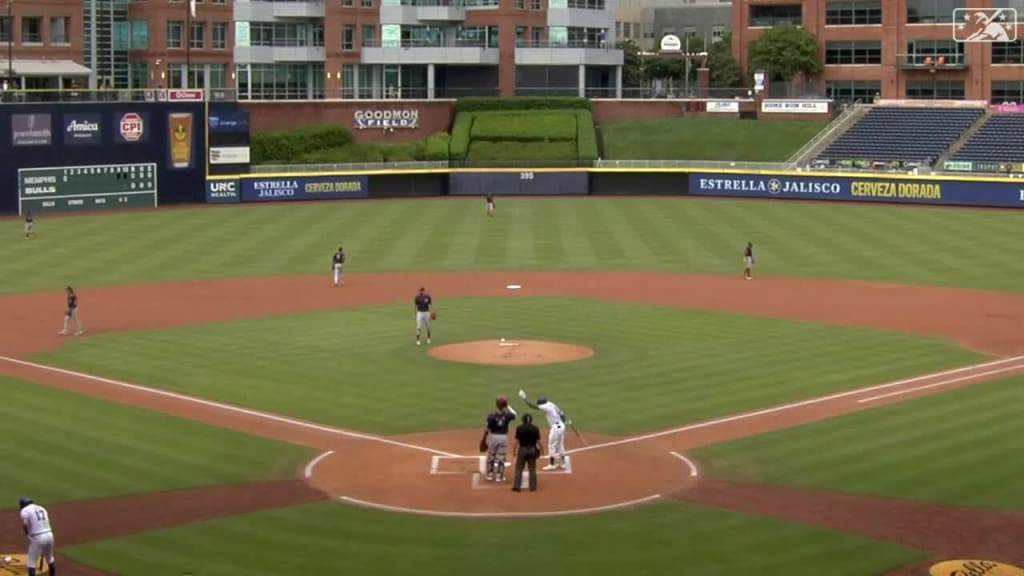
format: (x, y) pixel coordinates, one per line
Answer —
(938, 246)
(958, 447)
(63, 446)
(727, 139)
(666, 539)
(654, 367)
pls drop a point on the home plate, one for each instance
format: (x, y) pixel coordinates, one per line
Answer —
(513, 286)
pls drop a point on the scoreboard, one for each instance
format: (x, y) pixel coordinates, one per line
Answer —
(72, 188)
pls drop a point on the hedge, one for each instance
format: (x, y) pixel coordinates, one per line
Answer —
(478, 104)
(287, 146)
(586, 136)
(458, 146)
(432, 148)
(483, 151)
(525, 126)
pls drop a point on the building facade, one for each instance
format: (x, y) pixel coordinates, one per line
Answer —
(313, 49)
(645, 22)
(897, 49)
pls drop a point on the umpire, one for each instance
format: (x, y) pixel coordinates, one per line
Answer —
(527, 452)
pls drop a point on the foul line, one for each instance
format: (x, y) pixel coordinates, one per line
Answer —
(802, 403)
(311, 465)
(936, 384)
(689, 463)
(404, 510)
(226, 407)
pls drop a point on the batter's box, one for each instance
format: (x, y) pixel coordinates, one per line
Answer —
(458, 464)
(479, 483)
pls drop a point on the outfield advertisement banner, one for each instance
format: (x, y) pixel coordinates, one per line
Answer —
(526, 182)
(304, 188)
(866, 189)
(222, 191)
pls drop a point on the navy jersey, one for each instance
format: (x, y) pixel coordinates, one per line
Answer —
(339, 258)
(423, 302)
(72, 301)
(28, 218)
(490, 197)
(748, 251)
(498, 422)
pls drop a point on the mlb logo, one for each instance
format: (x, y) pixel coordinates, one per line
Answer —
(985, 24)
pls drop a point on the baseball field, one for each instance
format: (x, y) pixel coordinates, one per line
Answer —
(852, 410)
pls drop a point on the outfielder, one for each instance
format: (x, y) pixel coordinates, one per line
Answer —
(337, 263)
(422, 304)
(28, 225)
(748, 261)
(556, 429)
(496, 437)
(36, 522)
(490, 203)
(71, 312)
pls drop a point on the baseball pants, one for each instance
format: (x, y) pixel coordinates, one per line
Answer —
(422, 321)
(527, 458)
(556, 441)
(40, 546)
(497, 448)
(72, 316)
(339, 275)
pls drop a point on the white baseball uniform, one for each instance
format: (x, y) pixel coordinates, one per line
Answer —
(40, 534)
(556, 428)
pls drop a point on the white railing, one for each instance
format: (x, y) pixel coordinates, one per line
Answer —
(840, 122)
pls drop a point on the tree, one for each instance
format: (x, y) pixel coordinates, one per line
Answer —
(725, 72)
(664, 68)
(783, 51)
(632, 64)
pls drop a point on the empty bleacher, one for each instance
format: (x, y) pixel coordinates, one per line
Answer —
(999, 139)
(896, 133)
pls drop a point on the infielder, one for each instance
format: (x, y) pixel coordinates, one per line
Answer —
(337, 264)
(748, 261)
(556, 429)
(71, 312)
(28, 225)
(36, 522)
(422, 304)
(496, 436)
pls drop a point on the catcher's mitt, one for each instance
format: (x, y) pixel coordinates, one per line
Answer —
(433, 314)
(483, 444)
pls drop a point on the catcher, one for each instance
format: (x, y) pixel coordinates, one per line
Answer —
(424, 314)
(495, 439)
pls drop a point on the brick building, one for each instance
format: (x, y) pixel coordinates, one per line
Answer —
(900, 49)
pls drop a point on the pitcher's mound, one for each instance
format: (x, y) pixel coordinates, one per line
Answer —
(511, 352)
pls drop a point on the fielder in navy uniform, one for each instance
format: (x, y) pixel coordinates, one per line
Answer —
(28, 225)
(496, 436)
(748, 261)
(71, 312)
(337, 264)
(422, 304)
(490, 203)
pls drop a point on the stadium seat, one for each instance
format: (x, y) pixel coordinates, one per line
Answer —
(1000, 139)
(906, 134)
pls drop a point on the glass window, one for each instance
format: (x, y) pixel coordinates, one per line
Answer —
(774, 14)
(852, 90)
(535, 4)
(932, 11)
(138, 75)
(717, 32)
(520, 4)
(59, 30)
(935, 89)
(197, 35)
(1017, 5)
(31, 29)
(174, 33)
(558, 36)
(853, 12)
(348, 37)
(346, 3)
(858, 52)
(1007, 91)
(140, 34)
(537, 36)
(391, 35)
(5, 29)
(586, 4)
(557, 4)
(217, 76)
(366, 3)
(520, 36)
(922, 52)
(369, 36)
(219, 35)
(1008, 52)
(348, 80)
(243, 34)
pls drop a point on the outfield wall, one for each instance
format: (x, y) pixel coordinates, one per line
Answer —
(848, 187)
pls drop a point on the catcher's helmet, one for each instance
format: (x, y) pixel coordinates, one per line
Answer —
(24, 501)
(542, 400)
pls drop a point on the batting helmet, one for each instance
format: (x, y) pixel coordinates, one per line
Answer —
(542, 400)
(23, 501)
(501, 401)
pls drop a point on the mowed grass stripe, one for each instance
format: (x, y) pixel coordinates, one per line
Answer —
(64, 446)
(359, 368)
(893, 244)
(655, 540)
(958, 447)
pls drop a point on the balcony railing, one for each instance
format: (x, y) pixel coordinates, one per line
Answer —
(106, 95)
(932, 61)
(445, 42)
